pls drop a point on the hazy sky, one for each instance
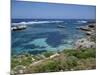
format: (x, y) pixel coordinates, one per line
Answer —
(22, 9)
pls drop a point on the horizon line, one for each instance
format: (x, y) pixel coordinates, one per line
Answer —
(52, 18)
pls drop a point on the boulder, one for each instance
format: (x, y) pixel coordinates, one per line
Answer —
(84, 43)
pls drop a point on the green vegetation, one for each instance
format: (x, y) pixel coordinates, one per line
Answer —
(68, 60)
(24, 60)
(48, 54)
(82, 54)
(47, 66)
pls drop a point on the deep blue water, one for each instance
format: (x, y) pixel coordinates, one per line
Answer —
(45, 35)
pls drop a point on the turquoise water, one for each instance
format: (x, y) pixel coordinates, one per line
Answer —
(45, 35)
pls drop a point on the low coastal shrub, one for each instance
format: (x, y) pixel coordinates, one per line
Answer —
(47, 54)
(24, 60)
(83, 59)
(82, 53)
(87, 53)
(71, 62)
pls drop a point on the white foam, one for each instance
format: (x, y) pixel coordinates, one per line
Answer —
(82, 21)
(36, 22)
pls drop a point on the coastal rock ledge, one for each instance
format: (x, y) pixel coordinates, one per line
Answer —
(89, 41)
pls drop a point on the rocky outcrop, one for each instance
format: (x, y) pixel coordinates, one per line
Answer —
(89, 40)
(18, 27)
(84, 43)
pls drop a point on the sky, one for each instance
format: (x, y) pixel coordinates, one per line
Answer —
(40, 10)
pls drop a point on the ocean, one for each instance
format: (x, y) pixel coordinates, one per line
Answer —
(46, 35)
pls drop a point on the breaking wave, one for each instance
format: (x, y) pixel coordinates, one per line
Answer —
(36, 22)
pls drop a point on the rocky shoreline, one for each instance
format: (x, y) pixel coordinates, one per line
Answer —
(89, 41)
